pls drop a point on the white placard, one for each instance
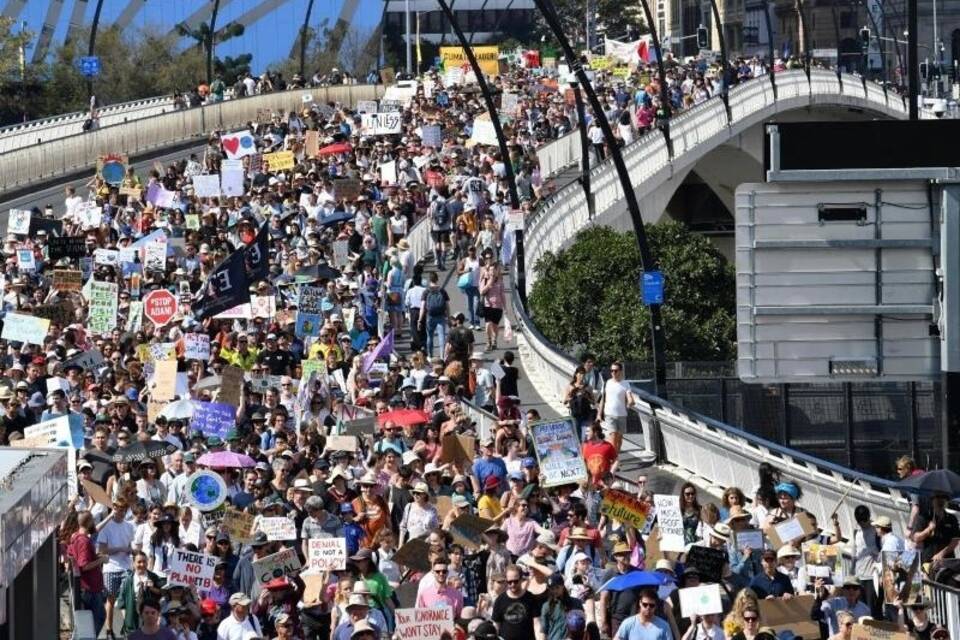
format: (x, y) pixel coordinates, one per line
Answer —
(483, 132)
(196, 346)
(192, 569)
(790, 530)
(26, 260)
(106, 257)
(231, 182)
(19, 327)
(207, 185)
(327, 554)
(381, 124)
(424, 624)
(388, 172)
(19, 221)
(670, 522)
(701, 601)
(278, 528)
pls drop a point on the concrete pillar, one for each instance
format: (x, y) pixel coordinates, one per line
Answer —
(46, 596)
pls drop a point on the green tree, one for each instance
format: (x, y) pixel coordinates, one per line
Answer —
(587, 297)
(207, 41)
(612, 16)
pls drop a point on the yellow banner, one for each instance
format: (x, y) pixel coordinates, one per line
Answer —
(488, 57)
(602, 63)
(279, 161)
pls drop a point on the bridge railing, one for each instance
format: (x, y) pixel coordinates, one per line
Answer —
(67, 155)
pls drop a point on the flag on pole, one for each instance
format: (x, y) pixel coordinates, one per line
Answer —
(226, 287)
(384, 349)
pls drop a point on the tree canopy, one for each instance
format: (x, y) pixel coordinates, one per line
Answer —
(587, 297)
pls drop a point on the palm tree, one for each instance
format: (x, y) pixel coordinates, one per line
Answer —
(207, 37)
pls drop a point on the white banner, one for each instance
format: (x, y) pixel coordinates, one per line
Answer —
(327, 554)
(381, 124)
(192, 569)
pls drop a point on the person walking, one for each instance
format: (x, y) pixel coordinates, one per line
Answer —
(434, 311)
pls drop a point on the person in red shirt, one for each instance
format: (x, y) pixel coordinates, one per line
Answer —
(599, 454)
(89, 567)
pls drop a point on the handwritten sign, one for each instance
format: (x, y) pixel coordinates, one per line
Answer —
(875, 630)
(196, 346)
(749, 539)
(19, 221)
(467, 530)
(791, 615)
(19, 327)
(67, 247)
(424, 624)
(26, 260)
(277, 565)
(670, 521)
(279, 161)
(103, 307)
(625, 507)
(800, 526)
(558, 451)
(327, 554)
(67, 280)
(278, 528)
(709, 561)
(214, 418)
(381, 124)
(238, 525)
(192, 569)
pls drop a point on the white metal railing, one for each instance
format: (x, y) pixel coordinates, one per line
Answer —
(945, 609)
(559, 154)
(61, 157)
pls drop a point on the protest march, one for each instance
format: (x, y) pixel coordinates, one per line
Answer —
(269, 402)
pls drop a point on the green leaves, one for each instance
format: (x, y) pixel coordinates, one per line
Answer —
(587, 297)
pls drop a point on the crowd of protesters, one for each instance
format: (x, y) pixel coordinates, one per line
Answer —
(392, 344)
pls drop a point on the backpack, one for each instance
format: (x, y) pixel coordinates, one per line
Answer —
(436, 305)
(441, 217)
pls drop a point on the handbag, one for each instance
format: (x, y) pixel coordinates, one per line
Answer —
(463, 282)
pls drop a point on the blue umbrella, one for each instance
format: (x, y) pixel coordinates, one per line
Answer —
(335, 217)
(636, 579)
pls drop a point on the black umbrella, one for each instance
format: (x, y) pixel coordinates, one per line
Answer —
(335, 217)
(316, 272)
(931, 482)
(139, 451)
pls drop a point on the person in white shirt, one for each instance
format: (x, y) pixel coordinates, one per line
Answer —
(239, 623)
(71, 202)
(889, 541)
(617, 399)
(115, 540)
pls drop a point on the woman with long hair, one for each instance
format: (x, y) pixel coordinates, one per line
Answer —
(522, 530)
(163, 542)
(492, 297)
(732, 497)
(419, 516)
(745, 605)
(690, 510)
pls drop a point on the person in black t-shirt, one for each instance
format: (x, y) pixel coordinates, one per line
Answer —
(937, 530)
(617, 606)
(516, 610)
(279, 362)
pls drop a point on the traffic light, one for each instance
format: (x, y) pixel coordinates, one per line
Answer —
(865, 38)
(702, 41)
(924, 70)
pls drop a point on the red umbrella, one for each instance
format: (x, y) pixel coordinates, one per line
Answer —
(403, 417)
(335, 148)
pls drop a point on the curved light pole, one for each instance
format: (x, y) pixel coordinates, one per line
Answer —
(770, 70)
(93, 42)
(836, 31)
(664, 97)
(212, 40)
(633, 207)
(501, 141)
(584, 148)
(805, 40)
(881, 47)
(724, 62)
(303, 37)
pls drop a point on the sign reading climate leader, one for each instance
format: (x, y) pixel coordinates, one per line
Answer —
(558, 451)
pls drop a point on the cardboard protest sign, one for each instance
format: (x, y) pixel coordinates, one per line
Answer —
(67, 279)
(238, 525)
(103, 307)
(192, 569)
(800, 526)
(424, 624)
(558, 450)
(702, 600)
(278, 528)
(61, 313)
(625, 507)
(458, 449)
(359, 426)
(165, 380)
(444, 504)
(311, 143)
(670, 522)
(709, 561)
(96, 492)
(889, 573)
(468, 530)
(313, 585)
(348, 189)
(196, 346)
(231, 382)
(214, 418)
(206, 185)
(279, 161)
(341, 443)
(19, 327)
(327, 554)
(131, 192)
(276, 565)
(790, 615)
(414, 554)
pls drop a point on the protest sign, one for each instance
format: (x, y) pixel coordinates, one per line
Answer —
(483, 132)
(798, 527)
(88, 215)
(311, 143)
(67, 279)
(26, 260)
(278, 528)
(414, 554)
(279, 161)
(155, 256)
(381, 124)
(214, 418)
(66, 247)
(106, 257)
(347, 188)
(625, 507)
(231, 184)
(790, 615)
(230, 385)
(748, 539)
(458, 449)
(359, 426)
(701, 601)
(424, 624)
(366, 106)
(206, 185)
(103, 307)
(388, 172)
(558, 450)
(708, 560)
(165, 380)
(341, 443)
(19, 221)
(19, 327)
(488, 57)
(509, 103)
(88, 360)
(327, 554)
(196, 346)
(431, 135)
(878, 630)
(670, 522)
(313, 586)
(341, 253)
(889, 573)
(192, 569)
(276, 565)
(238, 525)
(468, 530)
(240, 144)
(131, 192)
(61, 313)
(97, 493)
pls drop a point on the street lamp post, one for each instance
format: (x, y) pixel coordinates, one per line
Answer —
(633, 207)
(584, 148)
(770, 70)
(501, 141)
(804, 37)
(303, 37)
(212, 40)
(724, 62)
(92, 43)
(836, 32)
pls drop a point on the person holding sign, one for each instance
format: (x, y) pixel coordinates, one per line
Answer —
(826, 607)
(439, 593)
(788, 494)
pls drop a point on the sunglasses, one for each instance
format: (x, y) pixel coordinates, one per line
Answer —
(648, 605)
(750, 618)
(441, 573)
(512, 581)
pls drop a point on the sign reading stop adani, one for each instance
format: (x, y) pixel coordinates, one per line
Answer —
(192, 569)
(160, 306)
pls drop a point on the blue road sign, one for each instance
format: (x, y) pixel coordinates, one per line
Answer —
(90, 66)
(651, 287)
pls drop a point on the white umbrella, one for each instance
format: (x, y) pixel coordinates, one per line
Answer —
(179, 410)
